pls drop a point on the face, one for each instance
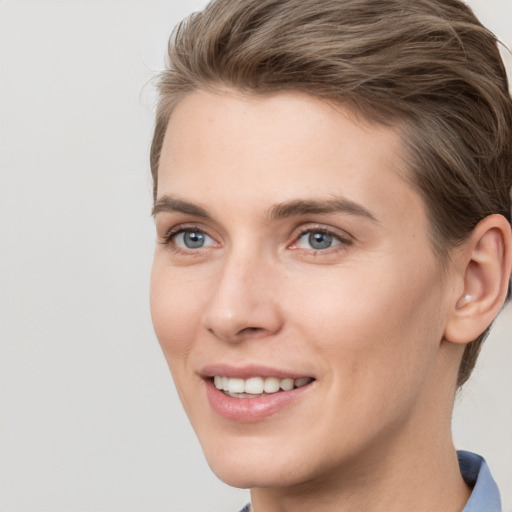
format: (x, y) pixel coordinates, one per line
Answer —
(294, 292)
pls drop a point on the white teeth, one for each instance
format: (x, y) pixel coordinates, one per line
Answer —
(236, 385)
(271, 385)
(254, 386)
(257, 385)
(286, 384)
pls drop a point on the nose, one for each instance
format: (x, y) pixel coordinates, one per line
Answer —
(243, 301)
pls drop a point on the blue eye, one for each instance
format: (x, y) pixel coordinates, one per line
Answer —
(317, 240)
(192, 239)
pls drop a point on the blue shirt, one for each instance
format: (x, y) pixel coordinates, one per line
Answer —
(485, 496)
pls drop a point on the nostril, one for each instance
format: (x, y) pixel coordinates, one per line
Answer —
(248, 330)
(239, 320)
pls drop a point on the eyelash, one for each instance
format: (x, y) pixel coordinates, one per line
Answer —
(343, 241)
(169, 238)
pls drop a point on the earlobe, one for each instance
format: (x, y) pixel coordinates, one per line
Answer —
(485, 260)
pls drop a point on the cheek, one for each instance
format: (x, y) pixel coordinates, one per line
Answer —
(175, 311)
(376, 346)
(379, 324)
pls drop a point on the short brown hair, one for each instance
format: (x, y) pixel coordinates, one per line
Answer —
(428, 66)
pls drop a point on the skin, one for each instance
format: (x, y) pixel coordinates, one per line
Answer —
(365, 317)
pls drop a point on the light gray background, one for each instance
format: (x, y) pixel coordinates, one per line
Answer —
(89, 418)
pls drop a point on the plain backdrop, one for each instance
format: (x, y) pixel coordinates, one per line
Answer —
(89, 420)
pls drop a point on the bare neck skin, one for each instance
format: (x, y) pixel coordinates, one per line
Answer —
(425, 483)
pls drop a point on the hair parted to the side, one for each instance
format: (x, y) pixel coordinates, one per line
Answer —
(427, 66)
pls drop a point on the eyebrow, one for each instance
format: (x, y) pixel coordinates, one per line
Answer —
(174, 205)
(315, 206)
(284, 210)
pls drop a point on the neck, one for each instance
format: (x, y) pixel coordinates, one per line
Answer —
(422, 480)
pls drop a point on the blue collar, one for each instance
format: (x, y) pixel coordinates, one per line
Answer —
(485, 496)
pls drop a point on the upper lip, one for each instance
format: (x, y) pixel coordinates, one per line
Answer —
(248, 371)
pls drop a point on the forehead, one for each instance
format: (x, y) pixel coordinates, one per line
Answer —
(269, 149)
(204, 118)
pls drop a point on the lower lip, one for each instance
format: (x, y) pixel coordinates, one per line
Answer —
(251, 409)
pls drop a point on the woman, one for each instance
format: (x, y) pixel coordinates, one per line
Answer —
(332, 201)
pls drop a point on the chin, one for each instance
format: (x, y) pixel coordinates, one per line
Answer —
(245, 468)
(262, 463)
(245, 474)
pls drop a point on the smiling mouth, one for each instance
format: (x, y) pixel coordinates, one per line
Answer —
(257, 387)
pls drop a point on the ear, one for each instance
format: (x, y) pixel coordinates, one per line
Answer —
(484, 264)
